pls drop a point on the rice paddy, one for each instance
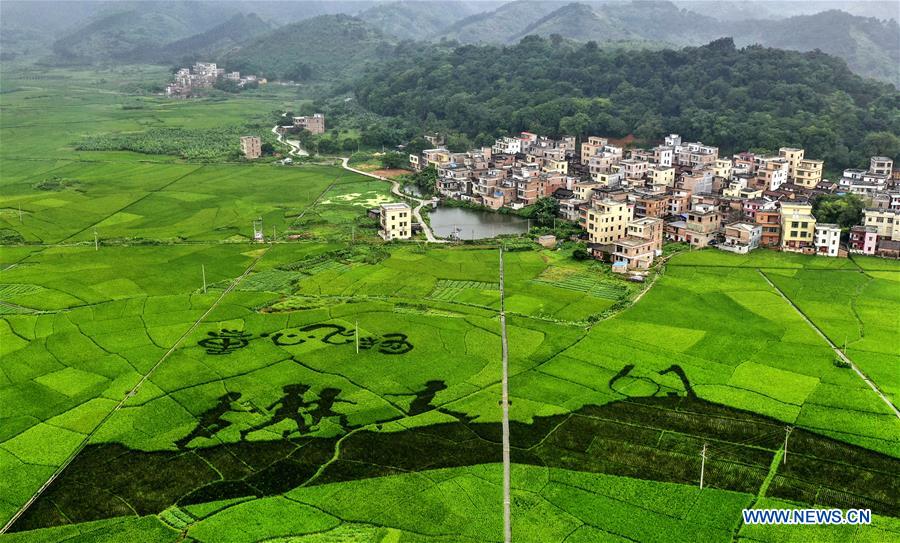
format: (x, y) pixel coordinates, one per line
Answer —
(184, 383)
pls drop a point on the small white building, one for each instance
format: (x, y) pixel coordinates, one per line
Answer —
(827, 239)
(396, 221)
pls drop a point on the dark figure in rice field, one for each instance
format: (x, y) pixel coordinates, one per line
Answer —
(289, 408)
(211, 421)
(422, 401)
(327, 398)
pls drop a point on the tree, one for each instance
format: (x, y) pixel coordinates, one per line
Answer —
(393, 160)
(267, 148)
(580, 253)
(545, 210)
(845, 211)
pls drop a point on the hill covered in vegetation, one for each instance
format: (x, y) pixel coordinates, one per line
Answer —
(750, 98)
(127, 32)
(324, 47)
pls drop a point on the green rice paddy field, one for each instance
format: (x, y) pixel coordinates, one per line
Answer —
(329, 387)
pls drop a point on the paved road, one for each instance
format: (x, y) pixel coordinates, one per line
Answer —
(395, 189)
(504, 403)
(834, 347)
(296, 150)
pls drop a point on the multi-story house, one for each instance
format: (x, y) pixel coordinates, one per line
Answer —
(723, 168)
(251, 147)
(801, 171)
(798, 227)
(751, 207)
(661, 175)
(702, 225)
(507, 146)
(881, 165)
(827, 239)
(396, 221)
(641, 244)
(770, 172)
(885, 221)
(606, 220)
(696, 155)
(663, 156)
(887, 200)
(696, 181)
(315, 123)
(634, 169)
(591, 147)
(863, 239)
(651, 205)
(769, 221)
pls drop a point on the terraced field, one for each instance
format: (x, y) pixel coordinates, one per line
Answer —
(180, 383)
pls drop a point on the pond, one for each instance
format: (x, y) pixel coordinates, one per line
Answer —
(473, 224)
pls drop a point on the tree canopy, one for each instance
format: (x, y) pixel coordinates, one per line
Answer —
(737, 99)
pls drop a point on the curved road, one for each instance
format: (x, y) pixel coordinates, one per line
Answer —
(395, 189)
(296, 150)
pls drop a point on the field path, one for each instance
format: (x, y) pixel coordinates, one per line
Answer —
(395, 189)
(147, 375)
(504, 403)
(296, 150)
(834, 347)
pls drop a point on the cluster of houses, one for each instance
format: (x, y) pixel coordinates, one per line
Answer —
(629, 200)
(203, 75)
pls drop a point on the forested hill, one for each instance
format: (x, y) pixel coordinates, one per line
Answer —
(325, 47)
(750, 98)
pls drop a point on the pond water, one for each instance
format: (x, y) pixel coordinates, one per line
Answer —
(474, 224)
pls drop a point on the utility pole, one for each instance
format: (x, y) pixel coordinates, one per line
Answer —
(702, 465)
(356, 332)
(274, 232)
(203, 271)
(96, 241)
(20, 214)
(787, 432)
(353, 234)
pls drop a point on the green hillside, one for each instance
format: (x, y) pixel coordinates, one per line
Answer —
(324, 47)
(419, 20)
(130, 31)
(870, 46)
(221, 38)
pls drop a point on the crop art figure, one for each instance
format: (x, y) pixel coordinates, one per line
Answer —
(211, 421)
(225, 341)
(290, 404)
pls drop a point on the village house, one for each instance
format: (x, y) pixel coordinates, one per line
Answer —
(641, 244)
(863, 239)
(801, 171)
(251, 147)
(606, 220)
(827, 239)
(798, 227)
(741, 237)
(769, 221)
(396, 221)
(315, 123)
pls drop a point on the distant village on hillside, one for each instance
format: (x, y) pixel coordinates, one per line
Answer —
(628, 201)
(203, 76)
